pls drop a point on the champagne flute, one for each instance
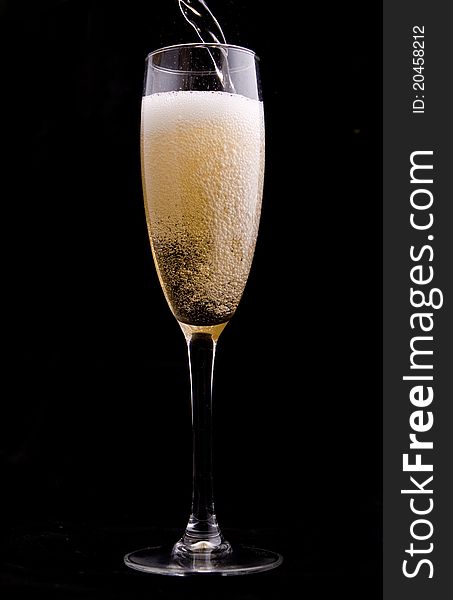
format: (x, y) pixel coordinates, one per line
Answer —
(202, 151)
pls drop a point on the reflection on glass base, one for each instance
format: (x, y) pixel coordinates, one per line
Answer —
(241, 561)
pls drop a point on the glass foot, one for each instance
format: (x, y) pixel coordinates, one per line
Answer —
(163, 561)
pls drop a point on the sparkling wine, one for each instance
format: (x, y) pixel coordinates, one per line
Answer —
(203, 166)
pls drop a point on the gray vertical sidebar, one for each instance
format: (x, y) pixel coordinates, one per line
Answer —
(404, 133)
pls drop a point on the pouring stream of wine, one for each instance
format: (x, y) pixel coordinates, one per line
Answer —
(198, 15)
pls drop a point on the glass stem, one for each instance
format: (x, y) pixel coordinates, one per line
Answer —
(202, 532)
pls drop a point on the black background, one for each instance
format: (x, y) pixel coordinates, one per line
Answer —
(95, 428)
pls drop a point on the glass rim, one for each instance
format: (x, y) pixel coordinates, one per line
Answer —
(203, 45)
